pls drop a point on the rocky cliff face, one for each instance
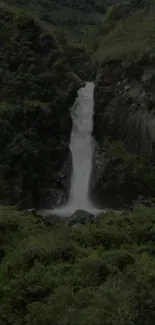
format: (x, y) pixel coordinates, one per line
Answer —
(124, 127)
(37, 88)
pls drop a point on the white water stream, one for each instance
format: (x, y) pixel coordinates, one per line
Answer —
(82, 148)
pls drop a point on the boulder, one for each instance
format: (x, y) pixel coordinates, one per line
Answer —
(81, 217)
(51, 220)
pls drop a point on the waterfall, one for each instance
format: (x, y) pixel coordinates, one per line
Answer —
(81, 146)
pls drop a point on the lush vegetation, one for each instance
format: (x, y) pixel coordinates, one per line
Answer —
(75, 24)
(127, 32)
(37, 88)
(97, 30)
(97, 273)
(66, 12)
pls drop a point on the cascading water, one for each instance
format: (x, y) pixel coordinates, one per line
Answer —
(81, 146)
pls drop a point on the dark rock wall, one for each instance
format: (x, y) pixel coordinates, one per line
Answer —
(124, 113)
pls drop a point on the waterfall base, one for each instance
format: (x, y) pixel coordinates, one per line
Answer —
(69, 210)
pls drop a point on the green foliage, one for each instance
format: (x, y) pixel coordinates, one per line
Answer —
(80, 58)
(77, 19)
(127, 32)
(77, 22)
(58, 12)
(63, 275)
(37, 87)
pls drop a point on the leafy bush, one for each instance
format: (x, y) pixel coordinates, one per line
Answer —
(58, 276)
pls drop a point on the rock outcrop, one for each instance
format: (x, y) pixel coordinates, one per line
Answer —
(124, 128)
(37, 88)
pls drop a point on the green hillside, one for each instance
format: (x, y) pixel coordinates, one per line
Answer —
(77, 18)
(112, 28)
(66, 12)
(74, 17)
(76, 25)
(127, 32)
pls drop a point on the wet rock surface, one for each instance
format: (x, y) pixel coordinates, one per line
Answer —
(125, 114)
(57, 190)
(81, 217)
(125, 105)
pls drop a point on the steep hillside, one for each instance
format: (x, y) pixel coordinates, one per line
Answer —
(124, 122)
(66, 12)
(127, 32)
(75, 24)
(77, 18)
(37, 89)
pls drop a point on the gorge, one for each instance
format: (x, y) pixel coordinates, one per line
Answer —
(38, 87)
(66, 146)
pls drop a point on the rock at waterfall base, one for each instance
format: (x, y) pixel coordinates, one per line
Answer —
(81, 217)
